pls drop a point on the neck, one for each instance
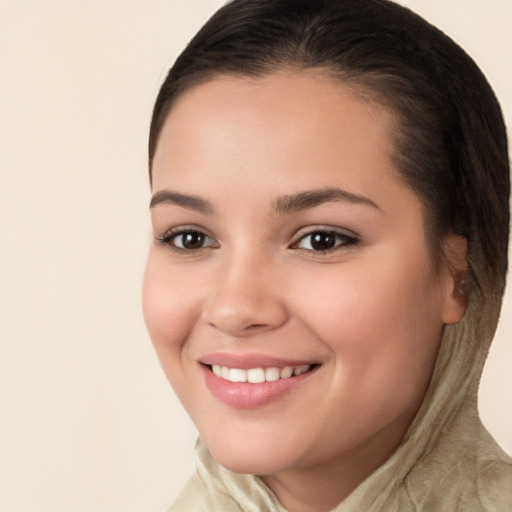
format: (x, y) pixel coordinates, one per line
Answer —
(322, 487)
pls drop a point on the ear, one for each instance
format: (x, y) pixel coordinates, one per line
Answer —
(456, 267)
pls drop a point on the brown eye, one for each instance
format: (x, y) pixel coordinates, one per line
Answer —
(188, 240)
(322, 241)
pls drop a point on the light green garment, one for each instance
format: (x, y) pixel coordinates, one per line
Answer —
(447, 462)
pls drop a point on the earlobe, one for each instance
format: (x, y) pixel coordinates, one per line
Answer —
(455, 304)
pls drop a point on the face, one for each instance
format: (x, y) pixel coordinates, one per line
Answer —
(289, 291)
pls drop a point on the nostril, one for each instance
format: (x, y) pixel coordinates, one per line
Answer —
(254, 327)
(239, 331)
(240, 310)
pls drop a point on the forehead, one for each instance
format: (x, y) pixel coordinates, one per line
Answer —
(247, 126)
(242, 144)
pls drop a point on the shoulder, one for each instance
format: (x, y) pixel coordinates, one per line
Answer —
(473, 480)
(494, 484)
(195, 497)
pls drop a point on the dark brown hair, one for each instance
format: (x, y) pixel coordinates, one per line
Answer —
(450, 146)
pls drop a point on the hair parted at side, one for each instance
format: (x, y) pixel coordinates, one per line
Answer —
(451, 144)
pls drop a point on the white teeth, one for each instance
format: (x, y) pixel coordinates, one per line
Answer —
(237, 375)
(272, 374)
(258, 375)
(301, 369)
(286, 372)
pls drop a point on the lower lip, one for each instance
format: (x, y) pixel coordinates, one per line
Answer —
(245, 395)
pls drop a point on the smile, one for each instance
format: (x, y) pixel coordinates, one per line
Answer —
(253, 380)
(259, 375)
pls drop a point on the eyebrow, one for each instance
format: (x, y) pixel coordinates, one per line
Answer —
(282, 205)
(311, 198)
(185, 200)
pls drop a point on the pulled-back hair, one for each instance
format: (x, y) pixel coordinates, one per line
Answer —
(450, 144)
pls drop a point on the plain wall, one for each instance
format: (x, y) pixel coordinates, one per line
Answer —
(87, 419)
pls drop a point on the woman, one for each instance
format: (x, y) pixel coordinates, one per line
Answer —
(330, 212)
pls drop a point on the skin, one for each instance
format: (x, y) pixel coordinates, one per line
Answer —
(371, 313)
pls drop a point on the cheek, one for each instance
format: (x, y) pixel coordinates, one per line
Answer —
(382, 323)
(367, 300)
(383, 332)
(171, 310)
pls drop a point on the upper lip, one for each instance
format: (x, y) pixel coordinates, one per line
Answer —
(248, 361)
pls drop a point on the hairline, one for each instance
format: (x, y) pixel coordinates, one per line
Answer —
(358, 84)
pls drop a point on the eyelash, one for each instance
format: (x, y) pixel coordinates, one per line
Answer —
(170, 236)
(341, 240)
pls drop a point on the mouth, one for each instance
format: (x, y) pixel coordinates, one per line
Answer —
(259, 375)
(254, 381)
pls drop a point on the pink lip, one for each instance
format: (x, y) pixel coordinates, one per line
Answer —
(245, 395)
(248, 361)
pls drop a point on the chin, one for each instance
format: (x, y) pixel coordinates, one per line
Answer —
(254, 458)
(251, 464)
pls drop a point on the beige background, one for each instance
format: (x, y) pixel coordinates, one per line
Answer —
(87, 420)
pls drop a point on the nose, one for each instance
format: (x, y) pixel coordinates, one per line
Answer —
(246, 298)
